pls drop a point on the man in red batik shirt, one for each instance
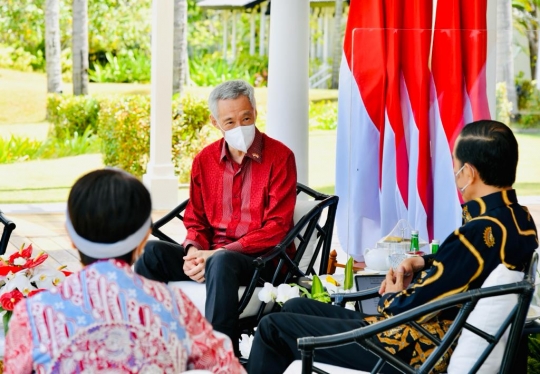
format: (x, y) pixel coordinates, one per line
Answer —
(242, 198)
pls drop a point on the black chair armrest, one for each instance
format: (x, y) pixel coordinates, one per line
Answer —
(342, 298)
(9, 226)
(467, 301)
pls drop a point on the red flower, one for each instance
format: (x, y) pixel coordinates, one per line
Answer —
(23, 253)
(4, 270)
(33, 292)
(9, 299)
(33, 262)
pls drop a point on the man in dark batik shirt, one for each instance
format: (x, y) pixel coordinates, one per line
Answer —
(496, 230)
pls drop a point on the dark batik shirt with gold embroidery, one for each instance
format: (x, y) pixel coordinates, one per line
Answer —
(495, 230)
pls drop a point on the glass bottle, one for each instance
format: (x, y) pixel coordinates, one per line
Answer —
(434, 246)
(415, 244)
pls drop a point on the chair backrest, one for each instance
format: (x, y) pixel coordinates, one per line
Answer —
(312, 240)
(467, 301)
(312, 237)
(9, 226)
(488, 315)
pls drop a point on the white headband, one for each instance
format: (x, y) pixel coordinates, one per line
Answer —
(107, 250)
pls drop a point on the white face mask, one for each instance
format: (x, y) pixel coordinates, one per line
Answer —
(241, 137)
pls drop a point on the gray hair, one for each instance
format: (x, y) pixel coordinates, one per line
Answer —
(230, 90)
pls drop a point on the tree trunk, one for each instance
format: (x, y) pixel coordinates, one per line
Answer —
(180, 61)
(532, 36)
(338, 41)
(80, 47)
(505, 57)
(52, 46)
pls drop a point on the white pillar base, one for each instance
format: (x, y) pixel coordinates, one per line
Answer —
(163, 186)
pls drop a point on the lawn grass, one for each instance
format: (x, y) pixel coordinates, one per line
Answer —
(23, 95)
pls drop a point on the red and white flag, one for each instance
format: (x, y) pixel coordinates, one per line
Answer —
(360, 119)
(407, 87)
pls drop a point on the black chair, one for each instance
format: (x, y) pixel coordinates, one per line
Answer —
(305, 228)
(9, 226)
(466, 303)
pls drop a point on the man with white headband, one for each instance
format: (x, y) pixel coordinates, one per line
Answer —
(242, 198)
(105, 317)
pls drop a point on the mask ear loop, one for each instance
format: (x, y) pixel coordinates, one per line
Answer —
(462, 189)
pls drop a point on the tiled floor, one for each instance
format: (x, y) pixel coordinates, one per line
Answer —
(43, 226)
(46, 232)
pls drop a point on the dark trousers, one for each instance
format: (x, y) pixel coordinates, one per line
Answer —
(225, 272)
(274, 346)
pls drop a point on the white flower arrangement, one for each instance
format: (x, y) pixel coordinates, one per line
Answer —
(246, 341)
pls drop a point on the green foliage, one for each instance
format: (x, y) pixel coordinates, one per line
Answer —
(504, 107)
(191, 132)
(212, 69)
(533, 359)
(114, 26)
(323, 115)
(17, 58)
(124, 127)
(72, 114)
(528, 103)
(128, 67)
(18, 148)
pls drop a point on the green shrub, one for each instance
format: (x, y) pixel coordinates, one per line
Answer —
(323, 115)
(18, 148)
(126, 67)
(528, 103)
(504, 107)
(17, 58)
(124, 128)
(213, 69)
(72, 114)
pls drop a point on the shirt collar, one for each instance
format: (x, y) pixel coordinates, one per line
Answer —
(481, 205)
(254, 152)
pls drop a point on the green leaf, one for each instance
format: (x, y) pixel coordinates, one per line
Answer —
(348, 282)
(6, 319)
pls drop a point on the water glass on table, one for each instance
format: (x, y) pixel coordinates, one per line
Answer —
(397, 255)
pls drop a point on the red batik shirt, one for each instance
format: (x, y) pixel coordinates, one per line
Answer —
(245, 207)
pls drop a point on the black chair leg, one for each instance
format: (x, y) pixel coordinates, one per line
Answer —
(520, 363)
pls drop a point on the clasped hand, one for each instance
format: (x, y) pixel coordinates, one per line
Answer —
(400, 279)
(195, 263)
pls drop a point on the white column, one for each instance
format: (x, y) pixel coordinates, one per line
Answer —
(491, 65)
(159, 177)
(262, 34)
(252, 32)
(320, 39)
(288, 81)
(326, 35)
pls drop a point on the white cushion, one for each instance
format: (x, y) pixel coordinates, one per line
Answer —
(296, 368)
(301, 209)
(197, 293)
(488, 315)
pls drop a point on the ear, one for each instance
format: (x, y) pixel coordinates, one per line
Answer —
(470, 172)
(214, 122)
(256, 114)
